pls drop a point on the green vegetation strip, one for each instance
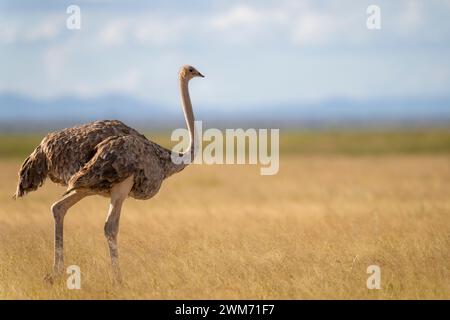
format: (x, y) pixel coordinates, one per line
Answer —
(297, 142)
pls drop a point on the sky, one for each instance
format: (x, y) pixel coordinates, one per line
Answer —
(251, 52)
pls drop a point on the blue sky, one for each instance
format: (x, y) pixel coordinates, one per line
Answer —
(252, 52)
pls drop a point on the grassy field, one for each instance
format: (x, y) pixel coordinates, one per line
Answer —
(341, 201)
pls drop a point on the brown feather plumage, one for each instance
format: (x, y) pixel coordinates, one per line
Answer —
(95, 156)
(118, 158)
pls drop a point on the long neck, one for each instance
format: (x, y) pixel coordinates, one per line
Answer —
(182, 160)
(188, 115)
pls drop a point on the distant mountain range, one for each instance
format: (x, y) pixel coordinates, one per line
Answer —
(22, 113)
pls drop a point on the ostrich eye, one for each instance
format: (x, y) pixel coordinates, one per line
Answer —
(191, 70)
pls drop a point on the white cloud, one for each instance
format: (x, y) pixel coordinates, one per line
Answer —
(8, 33)
(114, 32)
(47, 29)
(301, 23)
(246, 24)
(159, 31)
(312, 28)
(28, 30)
(54, 59)
(410, 17)
(239, 16)
(145, 29)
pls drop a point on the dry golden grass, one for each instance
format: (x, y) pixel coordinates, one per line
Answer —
(226, 232)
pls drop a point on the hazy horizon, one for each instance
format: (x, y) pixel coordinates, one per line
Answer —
(304, 61)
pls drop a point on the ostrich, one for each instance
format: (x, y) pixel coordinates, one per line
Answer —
(104, 158)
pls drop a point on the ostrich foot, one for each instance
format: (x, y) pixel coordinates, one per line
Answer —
(51, 278)
(117, 281)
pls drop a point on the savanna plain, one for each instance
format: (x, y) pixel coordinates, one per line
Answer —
(342, 201)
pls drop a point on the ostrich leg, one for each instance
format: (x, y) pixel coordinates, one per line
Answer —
(59, 210)
(118, 195)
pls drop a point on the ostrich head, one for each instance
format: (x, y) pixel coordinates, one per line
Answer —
(188, 72)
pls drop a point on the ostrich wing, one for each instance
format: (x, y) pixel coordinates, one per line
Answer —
(115, 159)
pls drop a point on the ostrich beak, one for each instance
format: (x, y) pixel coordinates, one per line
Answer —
(200, 75)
